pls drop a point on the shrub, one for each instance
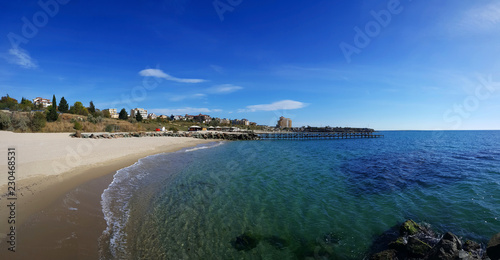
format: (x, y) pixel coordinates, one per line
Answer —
(173, 129)
(37, 121)
(19, 122)
(77, 126)
(94, 120)
(5, 121)
(111, 128)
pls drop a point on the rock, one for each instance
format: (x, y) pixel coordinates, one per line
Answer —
(385, 255)
(399, 244)
(409, 228)
(448, 248)
(246, 241)
(417, 248)
(493, 249)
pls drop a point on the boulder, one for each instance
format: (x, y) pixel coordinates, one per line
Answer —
(409, 228)
(246, 241)
(385, 255)
(493, 249)
(448, 248)
(417, 248)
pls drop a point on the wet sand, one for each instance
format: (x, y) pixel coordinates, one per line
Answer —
(58, 214)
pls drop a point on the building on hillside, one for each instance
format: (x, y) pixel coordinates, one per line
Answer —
(152, 116)
(205, 119)
(164, 117)
(284, 122)
(236, 122)
(245, 122)
(188, 117)
(143, 112)
(112, 112)
(42, 101)
(224, 121)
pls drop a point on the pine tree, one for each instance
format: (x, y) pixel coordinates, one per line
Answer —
(138, 117)
(123, 114)
(91, 108)
(52, 114)
(63, 106)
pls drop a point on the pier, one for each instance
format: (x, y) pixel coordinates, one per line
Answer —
(316, 135)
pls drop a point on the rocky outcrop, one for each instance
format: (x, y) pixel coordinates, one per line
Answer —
(419, 242)
(493, 249)
(200, 135)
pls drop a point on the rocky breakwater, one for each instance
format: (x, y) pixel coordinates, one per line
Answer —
(414, 241)
(201, 135)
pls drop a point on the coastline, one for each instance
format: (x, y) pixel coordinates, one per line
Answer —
(45, 179)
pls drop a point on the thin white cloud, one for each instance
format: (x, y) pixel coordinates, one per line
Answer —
(157, 73)
(279, 105)
(174, 98)
(224, 89)
(22, 58)
(483, 18)
(218, 69)
(183, 111)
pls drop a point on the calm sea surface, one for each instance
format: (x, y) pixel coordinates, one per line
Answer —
(300, 199)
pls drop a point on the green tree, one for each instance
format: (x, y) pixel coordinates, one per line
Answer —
(106, 114)
(26, 104)
(5, 121)
(52, 113)
(63, 106)
(8, 102)
(78, 109)
(138, 117)
(123, 114)
(91, 108)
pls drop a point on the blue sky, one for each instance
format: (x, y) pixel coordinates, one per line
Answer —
(379, 64)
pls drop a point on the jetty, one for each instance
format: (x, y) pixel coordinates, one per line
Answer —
(316, 135)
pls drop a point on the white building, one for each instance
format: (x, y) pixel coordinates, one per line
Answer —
(112, 112)
(142, 111)
(42, 101)
(152, 116)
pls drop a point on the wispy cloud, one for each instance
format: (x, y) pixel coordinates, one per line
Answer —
(22, 58)
(279, 105)
(224, 89)
(172, 97)
(218, 69)
(182, 111)
(483, 18)
(157, 73)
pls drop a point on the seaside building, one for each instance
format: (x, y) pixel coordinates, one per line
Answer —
(42, 101)
(152, 116)
(225, 121)
(188, 117)
(284, 122)
(143, 112)
(112, 112)
(245, 122)
(203, 118)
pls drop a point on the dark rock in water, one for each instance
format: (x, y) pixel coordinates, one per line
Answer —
(409, 228)
(313, 250)
(399, 244)
(417, 248)
(389, 254)
(493, 249)
(277, 242)
(448, 248)
(473, 249)
(246, 241)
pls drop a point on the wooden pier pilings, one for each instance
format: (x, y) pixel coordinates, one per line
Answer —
(316, 135)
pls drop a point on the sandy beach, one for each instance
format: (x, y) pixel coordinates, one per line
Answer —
(58, 184)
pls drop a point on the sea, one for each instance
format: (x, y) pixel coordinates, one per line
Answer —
(302, 199)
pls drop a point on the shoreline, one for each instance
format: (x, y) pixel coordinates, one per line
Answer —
(42, 190)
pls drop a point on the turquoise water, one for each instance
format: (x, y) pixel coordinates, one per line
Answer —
(302, 199)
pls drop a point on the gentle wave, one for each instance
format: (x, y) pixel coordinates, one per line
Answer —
(211, 145)
(115, 206)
